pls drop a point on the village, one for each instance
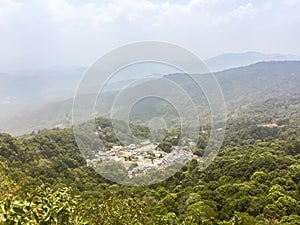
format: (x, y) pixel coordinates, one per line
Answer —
(139, 158)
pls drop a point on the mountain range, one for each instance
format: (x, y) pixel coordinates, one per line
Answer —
(242, 87)
(233, 60)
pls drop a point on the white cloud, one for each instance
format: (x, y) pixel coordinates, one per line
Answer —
(236, 16)
(290, 2)
(200, 3)
(60, 32)
(131, 10)
(7, 9)
(267, 6)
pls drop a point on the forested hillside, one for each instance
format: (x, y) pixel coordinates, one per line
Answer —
(254, 180)
(149, 112)
(242, 87)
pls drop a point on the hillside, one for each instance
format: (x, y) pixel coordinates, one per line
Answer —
(241, 87)
(234, 60)
(254, 180)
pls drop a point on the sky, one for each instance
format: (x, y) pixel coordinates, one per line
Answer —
(36, 34)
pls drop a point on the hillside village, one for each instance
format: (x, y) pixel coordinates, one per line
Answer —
(139, 158)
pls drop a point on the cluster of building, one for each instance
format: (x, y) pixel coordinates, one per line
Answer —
(138, 159)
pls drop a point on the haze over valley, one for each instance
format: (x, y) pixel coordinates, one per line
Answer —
(47, 99)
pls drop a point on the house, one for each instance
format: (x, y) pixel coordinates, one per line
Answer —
(117, 147)
(147, 142)
(131, 146)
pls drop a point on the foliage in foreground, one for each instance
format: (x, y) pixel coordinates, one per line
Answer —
(43, 206)
(254, 180)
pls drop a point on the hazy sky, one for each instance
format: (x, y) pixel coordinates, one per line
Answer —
(44, 33)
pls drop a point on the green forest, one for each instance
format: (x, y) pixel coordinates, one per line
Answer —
(149, 112)
(255, 179)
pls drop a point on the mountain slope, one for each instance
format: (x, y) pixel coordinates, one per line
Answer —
(241, 87)
(233, 60)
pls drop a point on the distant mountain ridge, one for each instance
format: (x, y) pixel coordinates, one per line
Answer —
(233, 60)
(42, 87)
(241, 87)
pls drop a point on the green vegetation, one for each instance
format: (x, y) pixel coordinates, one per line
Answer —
(254, 180)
